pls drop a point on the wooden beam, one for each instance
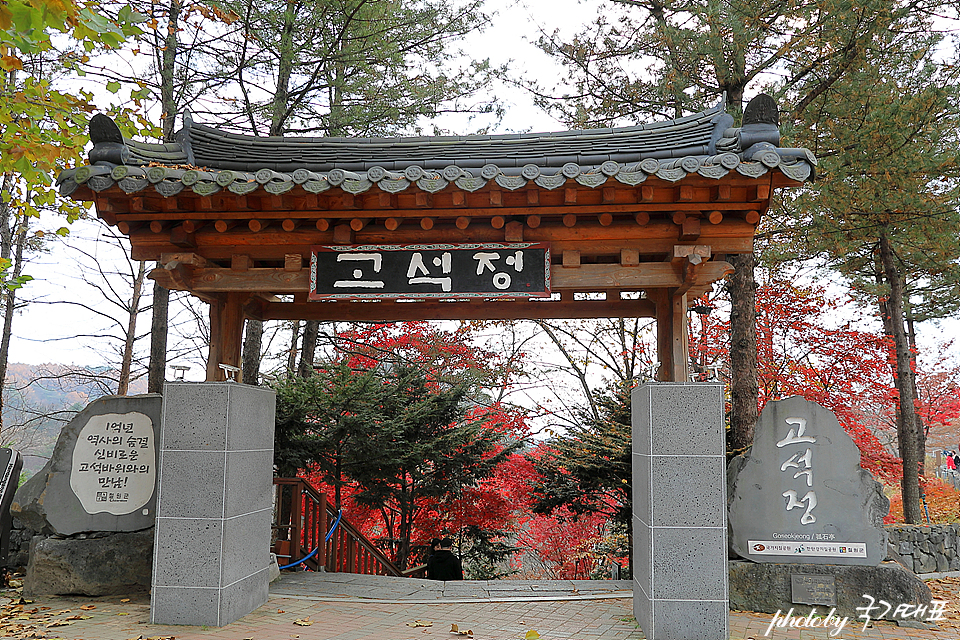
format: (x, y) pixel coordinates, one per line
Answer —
(487, 310)
(569, 276)
(545, 209)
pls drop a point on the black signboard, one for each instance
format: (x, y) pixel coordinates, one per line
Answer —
(479, 270)
(11, 462)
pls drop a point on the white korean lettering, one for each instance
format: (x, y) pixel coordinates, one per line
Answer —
(417, 266)
(485, 261)
(793, 503)
(795, 436)
(377, 262)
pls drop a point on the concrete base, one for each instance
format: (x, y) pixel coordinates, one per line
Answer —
(679, 512)
(214, 506)
(767, 587)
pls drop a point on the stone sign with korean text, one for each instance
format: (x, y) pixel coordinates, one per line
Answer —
(113, 469)
(484, 270)
(102, 475)
(800, 496)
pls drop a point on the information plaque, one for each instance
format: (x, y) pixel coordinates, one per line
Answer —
(812, 589)
(425, 271)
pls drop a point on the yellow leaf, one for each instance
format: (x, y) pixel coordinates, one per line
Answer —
(455, 629)
(303, 622)
(59, 623)
(531, 635)
(11, 63)
(125, 600)
(89, 607)
(123, 614)
(419, 623)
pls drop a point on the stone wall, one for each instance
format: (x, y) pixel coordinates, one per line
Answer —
(926, 549)
(19, 552)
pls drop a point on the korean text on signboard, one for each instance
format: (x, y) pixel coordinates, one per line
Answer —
(114, 463)
(487, 270)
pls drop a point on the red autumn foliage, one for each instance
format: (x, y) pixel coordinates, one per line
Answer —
(800, 352)
(942, 503)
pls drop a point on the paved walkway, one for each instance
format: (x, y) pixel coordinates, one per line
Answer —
(306, 606)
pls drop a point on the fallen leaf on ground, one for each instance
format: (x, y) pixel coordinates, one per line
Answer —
(123, 614)
(59, 623)
(531, 635)
(78, 617)
(125, 600)
(280, 611)
(303, 622)
(455, 629)
(419, 623)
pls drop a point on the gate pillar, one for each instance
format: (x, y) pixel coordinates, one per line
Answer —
(214, 503)
(679, 512)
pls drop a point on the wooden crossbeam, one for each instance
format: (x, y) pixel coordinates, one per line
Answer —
(488, 310)
(587, 277)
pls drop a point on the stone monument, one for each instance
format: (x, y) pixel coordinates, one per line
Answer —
(800, 495)
(809, 520)
(96, 495)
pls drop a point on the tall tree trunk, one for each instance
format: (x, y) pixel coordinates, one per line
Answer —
(252, 343)
(907, 432)
(10, 295)
(922, 429)
(160, 320)
(744, 391)
(292, 353)
(126, 361)
(308, 349)
(156, 372)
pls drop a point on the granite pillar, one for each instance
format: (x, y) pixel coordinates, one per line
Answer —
(214, 504)
(679, 512)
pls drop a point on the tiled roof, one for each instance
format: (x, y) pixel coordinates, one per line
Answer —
(703, 144)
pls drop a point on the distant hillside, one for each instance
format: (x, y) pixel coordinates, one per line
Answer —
(39, 400)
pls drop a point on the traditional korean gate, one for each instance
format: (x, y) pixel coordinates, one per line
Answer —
(627, 222)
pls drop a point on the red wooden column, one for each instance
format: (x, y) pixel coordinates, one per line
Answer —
(226, 334)
(672, 346)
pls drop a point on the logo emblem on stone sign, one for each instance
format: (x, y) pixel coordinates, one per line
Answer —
(758, 547)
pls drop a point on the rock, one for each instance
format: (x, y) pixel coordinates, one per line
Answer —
(95, 484)
(924, 563)
(800, 494)
(116, 563)
(767, 587)
(274, 568)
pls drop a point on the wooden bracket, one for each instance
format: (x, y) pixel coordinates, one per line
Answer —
(240, 262)
(292, 262)
(343, 234)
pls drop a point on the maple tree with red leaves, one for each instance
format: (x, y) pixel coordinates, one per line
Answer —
(396, 422)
